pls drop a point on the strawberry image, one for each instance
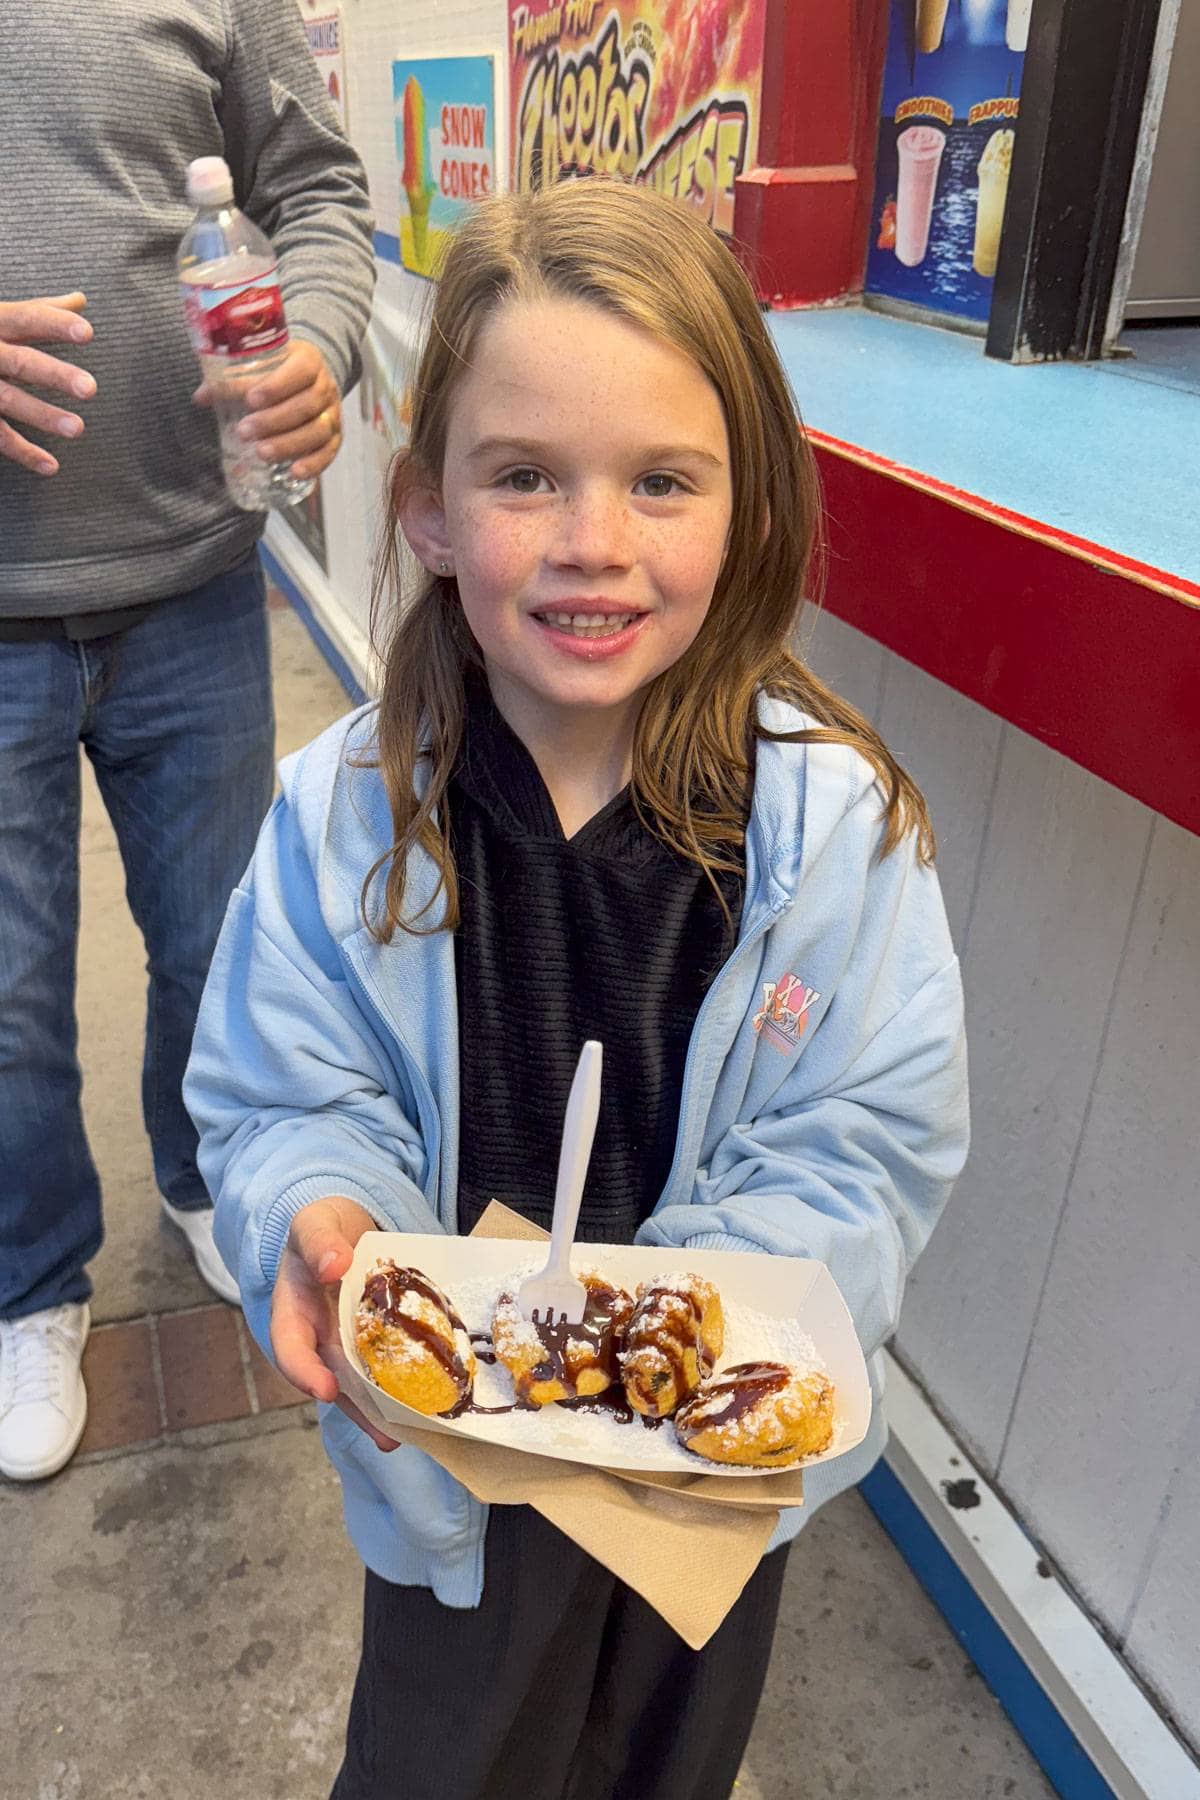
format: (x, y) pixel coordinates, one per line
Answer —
(887, 227)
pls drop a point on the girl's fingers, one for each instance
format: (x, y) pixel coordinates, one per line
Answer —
(318, 1240)
(298, 1362)
(296, 1319)
(364, 1424)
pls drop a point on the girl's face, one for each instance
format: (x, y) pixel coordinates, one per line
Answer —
(585, 507)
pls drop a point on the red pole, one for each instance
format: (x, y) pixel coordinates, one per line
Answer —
(801, 215)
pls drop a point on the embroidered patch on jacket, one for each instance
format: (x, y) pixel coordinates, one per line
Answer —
(784, 1012)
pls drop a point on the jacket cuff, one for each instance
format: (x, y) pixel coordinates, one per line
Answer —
(722, 1240)
(278, 1221)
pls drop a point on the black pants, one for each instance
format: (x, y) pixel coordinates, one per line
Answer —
(562, 1685)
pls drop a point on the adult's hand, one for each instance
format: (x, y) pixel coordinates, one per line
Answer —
(24, 323)
(294, 413)
(304, 1323)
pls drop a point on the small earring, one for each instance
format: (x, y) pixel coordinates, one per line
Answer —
(443, 568)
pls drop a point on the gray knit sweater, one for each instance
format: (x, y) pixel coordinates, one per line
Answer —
(104, 105)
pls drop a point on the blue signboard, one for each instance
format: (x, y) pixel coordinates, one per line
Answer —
(951, 86)
(445, 143)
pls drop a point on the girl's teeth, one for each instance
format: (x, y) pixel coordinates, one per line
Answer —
(589, 624)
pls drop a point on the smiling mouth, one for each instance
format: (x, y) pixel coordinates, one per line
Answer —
(588, 625)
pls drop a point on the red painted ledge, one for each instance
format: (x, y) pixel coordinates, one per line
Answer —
(1093, 653)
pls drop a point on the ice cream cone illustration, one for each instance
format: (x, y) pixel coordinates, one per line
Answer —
(931, 22)
(418, 187)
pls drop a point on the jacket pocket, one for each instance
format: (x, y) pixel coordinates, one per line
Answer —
(425, 1504)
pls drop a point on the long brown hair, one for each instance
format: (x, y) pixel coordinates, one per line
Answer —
(652, 263)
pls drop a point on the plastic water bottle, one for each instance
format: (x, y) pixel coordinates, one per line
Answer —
(235, 316)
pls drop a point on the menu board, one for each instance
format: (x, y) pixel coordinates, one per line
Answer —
(658, 91)
(948, 124)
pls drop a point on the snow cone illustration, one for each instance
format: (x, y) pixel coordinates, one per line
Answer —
(418, 187)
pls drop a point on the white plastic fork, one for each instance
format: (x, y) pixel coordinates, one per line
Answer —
(555, 1297)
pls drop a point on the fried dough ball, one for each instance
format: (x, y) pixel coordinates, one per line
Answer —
(562, 1362)
(673, 1339)
(761, 1415)
(412, 1342)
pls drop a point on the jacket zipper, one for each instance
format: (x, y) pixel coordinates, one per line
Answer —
(760, 930)
(430, 1124)
(427, 1114)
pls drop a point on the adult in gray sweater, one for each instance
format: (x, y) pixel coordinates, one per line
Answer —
(131, 602)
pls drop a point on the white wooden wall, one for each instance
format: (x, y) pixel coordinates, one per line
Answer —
(1053, 1320)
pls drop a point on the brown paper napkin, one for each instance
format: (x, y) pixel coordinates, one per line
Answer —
(687, 1544)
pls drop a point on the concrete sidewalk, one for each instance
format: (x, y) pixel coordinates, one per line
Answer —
(181, 1607)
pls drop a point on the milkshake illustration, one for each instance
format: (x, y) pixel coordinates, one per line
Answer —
(919, 150)
(1016, 30)
(418, 187)
(994, 166)
(931, 22)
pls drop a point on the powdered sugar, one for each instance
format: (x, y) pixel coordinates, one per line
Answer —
(600, 1437)
(778, 1309)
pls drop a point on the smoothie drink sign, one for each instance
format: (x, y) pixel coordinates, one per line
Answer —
(445, 145)
(664, 92)
(948, 127)
(919, 154)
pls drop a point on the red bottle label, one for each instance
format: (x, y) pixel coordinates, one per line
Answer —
(239, 321)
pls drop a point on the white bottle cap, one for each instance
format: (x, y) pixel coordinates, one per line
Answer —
(209, 182)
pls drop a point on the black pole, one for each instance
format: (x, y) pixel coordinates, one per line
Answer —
(1084, 82)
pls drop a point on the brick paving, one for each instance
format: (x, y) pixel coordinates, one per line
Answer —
(168, 1372)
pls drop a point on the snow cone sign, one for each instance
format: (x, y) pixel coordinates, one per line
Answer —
(658, 91)
(444, 113)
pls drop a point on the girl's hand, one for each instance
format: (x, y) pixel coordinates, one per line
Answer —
(304, 1323)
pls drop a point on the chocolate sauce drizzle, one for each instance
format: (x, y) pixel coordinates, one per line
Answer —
(745, 1384)
(385, 1288)
(654, 1327)
(599, 1327)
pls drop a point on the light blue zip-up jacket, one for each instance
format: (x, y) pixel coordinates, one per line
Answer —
(830, 1126)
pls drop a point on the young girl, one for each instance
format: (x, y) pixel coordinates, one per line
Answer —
(598, 798)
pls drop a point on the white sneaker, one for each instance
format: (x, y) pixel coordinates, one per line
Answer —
(43, 1402)
(197, 1228)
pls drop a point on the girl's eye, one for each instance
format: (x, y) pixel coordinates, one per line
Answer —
(523, 481)
(660, 487)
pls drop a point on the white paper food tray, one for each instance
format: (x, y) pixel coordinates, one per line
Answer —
(795, 1292)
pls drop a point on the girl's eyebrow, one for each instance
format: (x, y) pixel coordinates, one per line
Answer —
(504, 446)
(657, 453)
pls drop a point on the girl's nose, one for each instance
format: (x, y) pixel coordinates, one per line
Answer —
(594, 533)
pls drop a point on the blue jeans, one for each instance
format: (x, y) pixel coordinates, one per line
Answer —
(175, 715)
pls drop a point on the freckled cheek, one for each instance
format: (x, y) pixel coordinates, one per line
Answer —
(686, 562)
(691, 573)
(498, 552)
